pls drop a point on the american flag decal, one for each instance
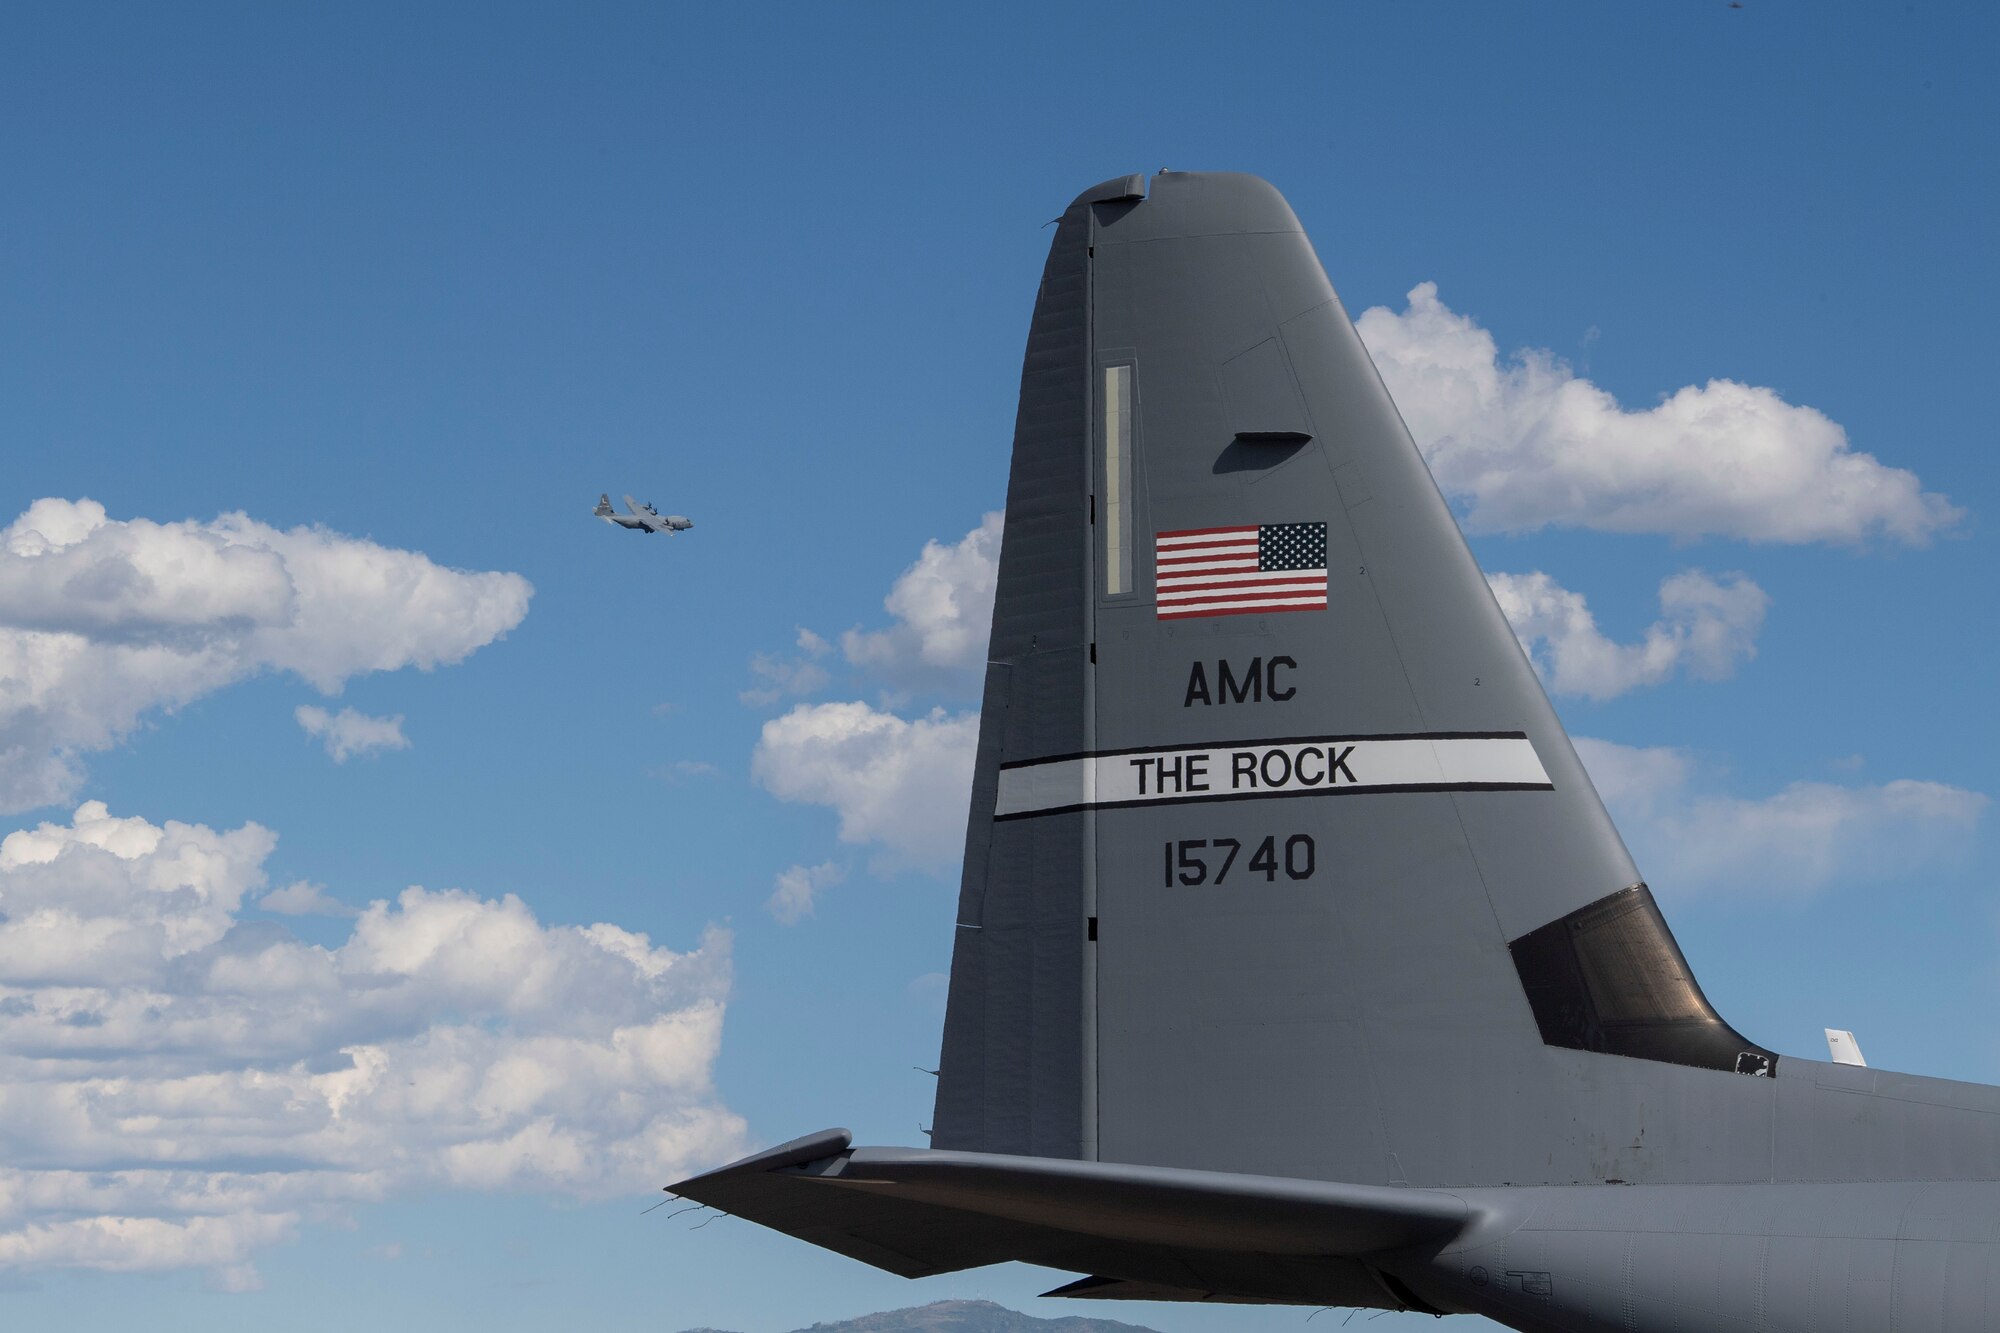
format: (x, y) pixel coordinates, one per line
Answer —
(1250, 570)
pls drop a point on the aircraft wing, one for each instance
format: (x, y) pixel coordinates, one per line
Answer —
(641, 517)
(916, 1212)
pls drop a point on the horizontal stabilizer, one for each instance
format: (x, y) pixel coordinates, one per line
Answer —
(916, 1212)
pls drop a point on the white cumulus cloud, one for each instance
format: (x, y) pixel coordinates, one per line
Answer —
(1706, 627)
(180, 1087)
(1804, 837)
(1528, 444)
(103, 621)
(897, 783)
(348, 733)
(798, 888)
(943, 609)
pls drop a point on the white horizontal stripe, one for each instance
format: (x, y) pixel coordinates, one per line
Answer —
(1188, 556)
(1182, 608)
(1169, 580)
(1198, 538)
(1258, 768)
(1176, 571)
(1263, 583)
(1181, 601)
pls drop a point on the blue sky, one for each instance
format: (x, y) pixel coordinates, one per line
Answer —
(422, 282)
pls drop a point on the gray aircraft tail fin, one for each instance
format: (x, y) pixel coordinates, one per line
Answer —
(1279, 861)
(604, 505)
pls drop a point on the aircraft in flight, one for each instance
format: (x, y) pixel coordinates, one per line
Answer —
(1297, 960)
(643, 517)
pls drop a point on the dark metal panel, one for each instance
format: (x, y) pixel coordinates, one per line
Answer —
(1609, 978)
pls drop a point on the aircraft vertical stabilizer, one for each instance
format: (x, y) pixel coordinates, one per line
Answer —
(1276, 845)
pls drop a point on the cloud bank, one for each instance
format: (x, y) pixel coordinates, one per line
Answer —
(103, 621)
(179, 1087)
(1806, 837)
(1705, 628)
(1526, 443)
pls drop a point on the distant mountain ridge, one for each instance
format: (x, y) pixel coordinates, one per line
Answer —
(963, 1317)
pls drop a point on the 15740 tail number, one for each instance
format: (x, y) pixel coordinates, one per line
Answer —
(1191, 860)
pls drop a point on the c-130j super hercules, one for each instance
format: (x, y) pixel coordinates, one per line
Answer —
(645, 518)
(1297, 960)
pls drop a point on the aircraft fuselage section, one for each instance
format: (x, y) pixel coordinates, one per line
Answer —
(1915, 1257)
